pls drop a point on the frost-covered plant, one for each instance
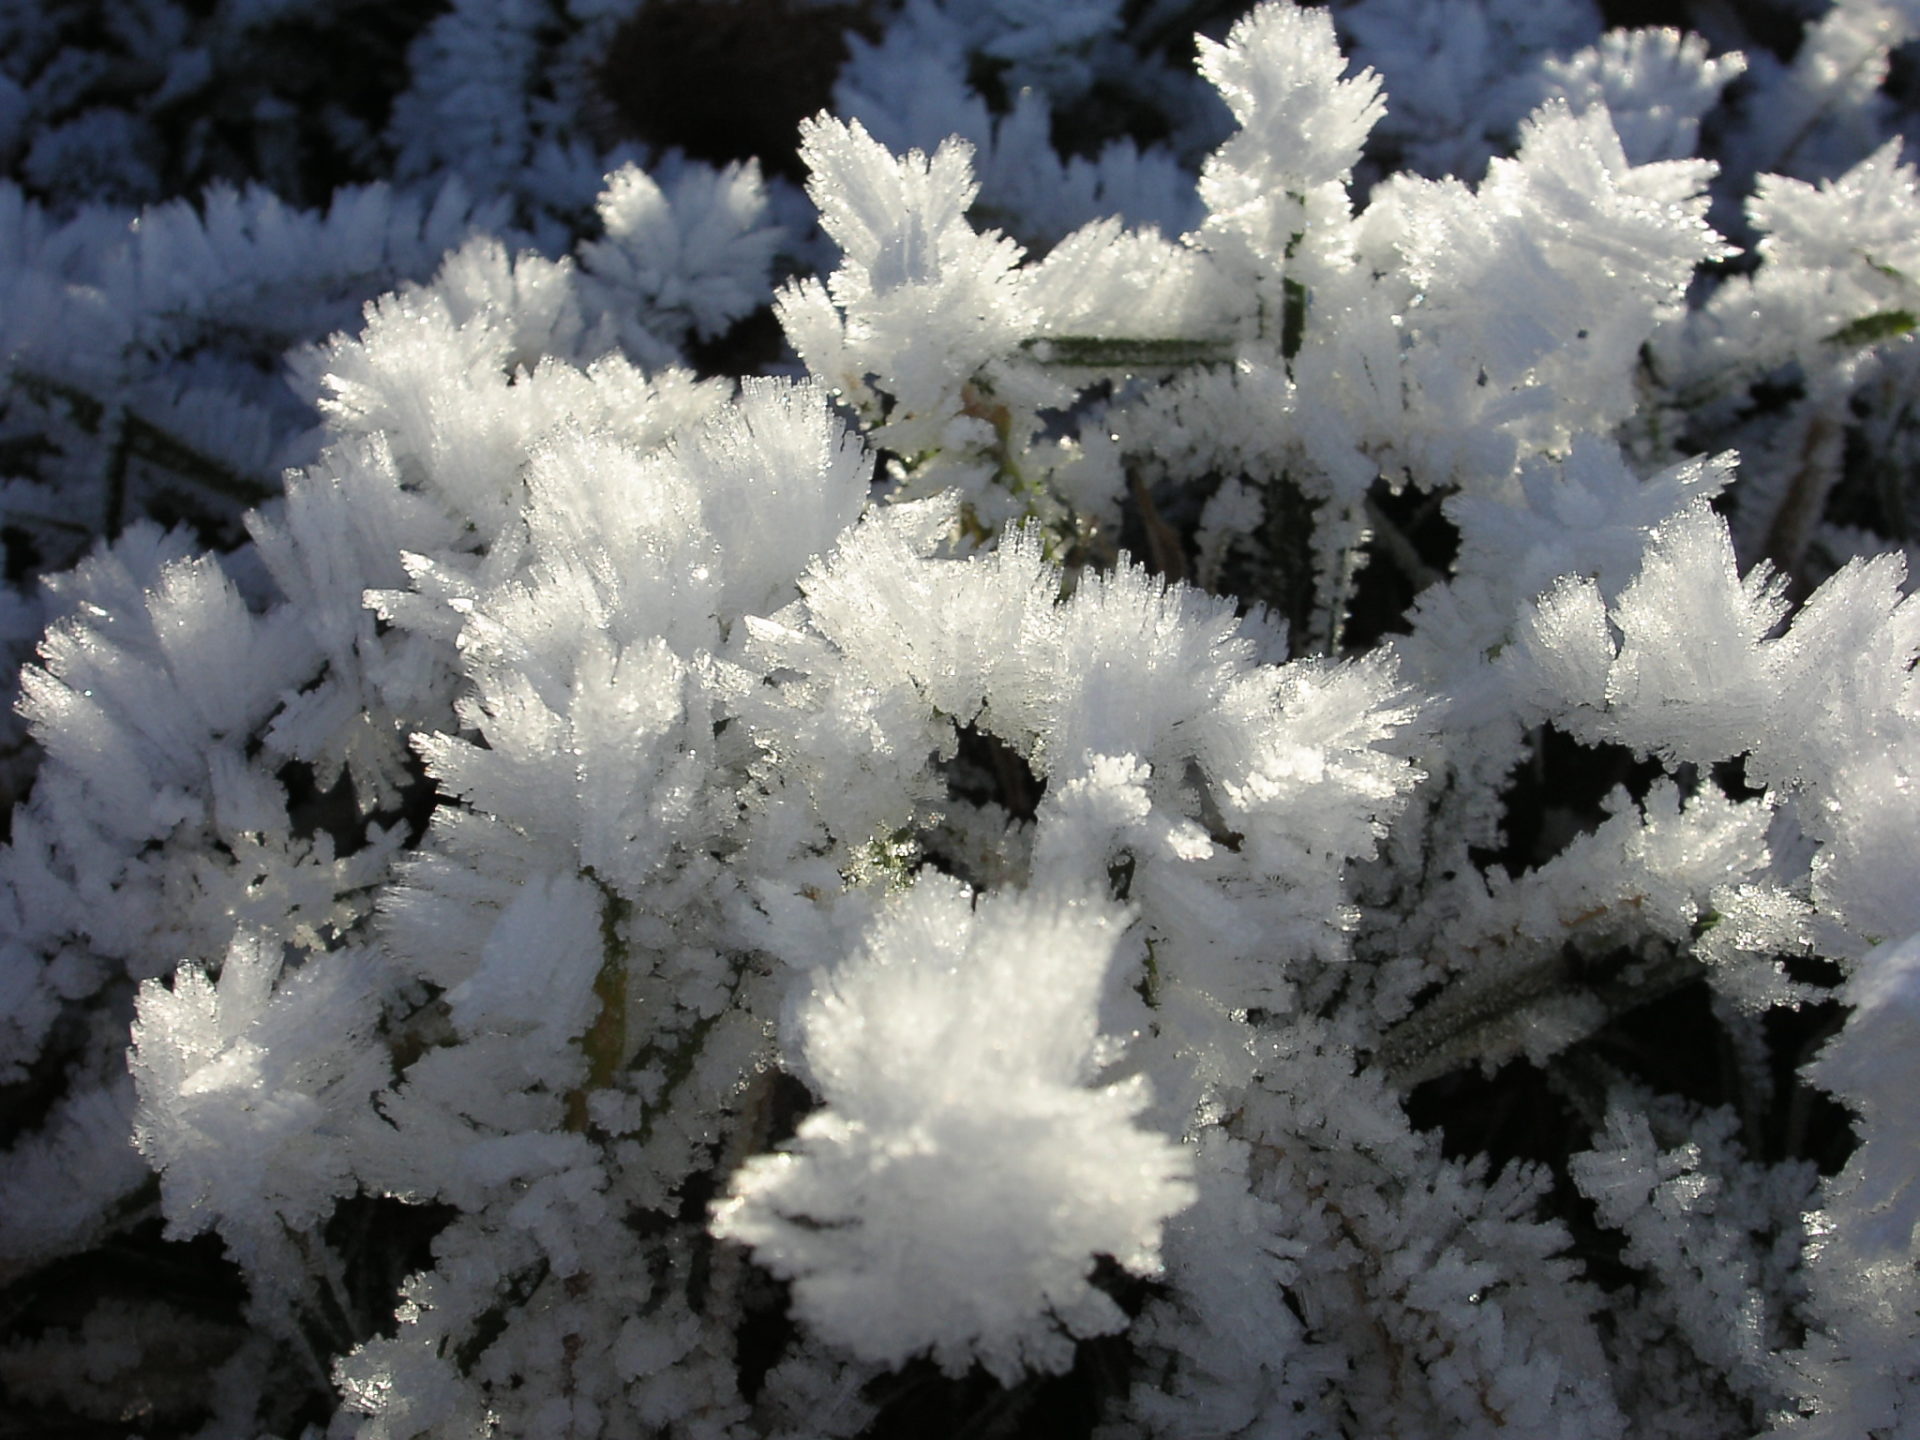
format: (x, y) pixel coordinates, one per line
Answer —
(1042, 843)
(142, 377)
(134, 101)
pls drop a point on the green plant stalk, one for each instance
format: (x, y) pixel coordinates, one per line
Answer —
(605, 1043)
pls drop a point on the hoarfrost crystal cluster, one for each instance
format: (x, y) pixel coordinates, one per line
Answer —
(1134, 836)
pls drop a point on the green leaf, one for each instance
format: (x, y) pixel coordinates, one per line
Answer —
(1872, 329)
(1293, 318)
(1101, 352)
(1881, 267)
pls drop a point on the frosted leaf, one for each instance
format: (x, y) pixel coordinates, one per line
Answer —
(1231, 513)
(945, 626)
(28, 1003)
(539, 965)
(1230, 1325)
(1692, 670)
(1691, 634)
(1674, 1210)
(1564, 649)
(1086, 819)
(605, 773)
(1280, 73)
(1873, 1206)
(524, 302)
(60, 1183)
(964, 1173)
(1835, 286)
(1127, 693)
(1421, 1282)
(1865, 217)
(428, 353)
(817, 1391)
(819, 334)
(779, 478)
(1825, 111)
(1049, 197)
(133, 701)
(244, 1086)
(619, 545)
(1105, 280)
(1660, 863)
(927, 301)
(102, 147)
(1845, 676)
(244, 258)
(1282, 176)
(467, 106)
(1042, 38)
(342, 529)
(404, 1384)
(1869, 818)
(1460, 74)
(1690, 677)
(1753, 925)
(895, 219)
(910, 90)
(1307, 757)
(1846, 731)
(695, 254)
(1138, 657)
(1550, 278)
(1655, 83)
(1586, 514)
(640, 743)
